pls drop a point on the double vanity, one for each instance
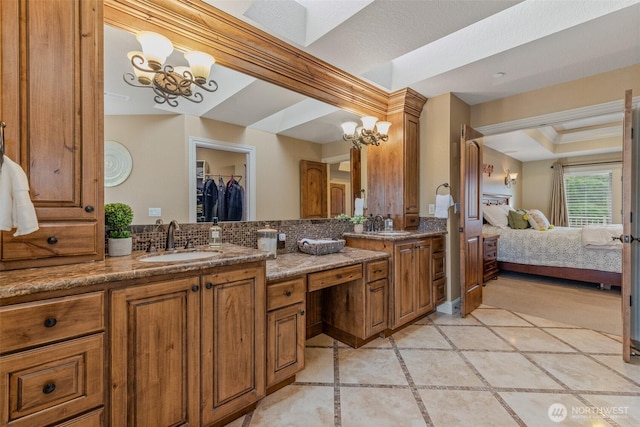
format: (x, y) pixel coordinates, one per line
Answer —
(196, 337)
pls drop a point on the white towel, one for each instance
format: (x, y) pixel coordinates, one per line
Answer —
(16, 209)
(358, 206)
(443, 203)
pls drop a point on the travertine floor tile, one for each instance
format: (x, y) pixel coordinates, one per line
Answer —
(439, 368)
(465, 408)
(294, 405)
(449, 319)
(510, 370)
(370, 366)
(624, 410)
(587, 340)
(628, 370)
(544, 323)
(498, 317)
(547, 409)
(321, 340)
(532, 339)
(388, 407)
(474, 338)
(579, 372)
(420, 336)
(318, 366)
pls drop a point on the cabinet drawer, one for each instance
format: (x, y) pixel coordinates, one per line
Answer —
(29, 324)
(92, 419)
(437, 244)
(51, 240)
(411, 220)
(285, 293)
(490, 255)
(440, 290)
(52, 382)
(333, 277)
(439, 267)
(377, 270)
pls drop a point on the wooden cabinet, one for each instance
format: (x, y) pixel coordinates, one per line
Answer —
(489, 257)
(52, 362)
(286, 332)
(188, 351)
(439, 270)
(417, 275)
(52, 103)
(393, 167)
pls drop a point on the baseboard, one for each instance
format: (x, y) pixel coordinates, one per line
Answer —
(449, 307)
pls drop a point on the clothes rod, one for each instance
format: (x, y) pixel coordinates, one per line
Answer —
(568, 165)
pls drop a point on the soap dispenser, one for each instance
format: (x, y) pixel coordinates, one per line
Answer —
(215, 234)
(388, 223)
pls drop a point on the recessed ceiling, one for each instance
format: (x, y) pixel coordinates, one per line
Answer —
(434, 47)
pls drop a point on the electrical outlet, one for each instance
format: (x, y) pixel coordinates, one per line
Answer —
(432, 208)
(155, 212)
(282, 237)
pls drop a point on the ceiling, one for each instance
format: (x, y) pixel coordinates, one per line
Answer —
(478, 50)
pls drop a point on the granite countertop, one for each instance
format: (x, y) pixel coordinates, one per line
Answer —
(395, 235)
(298, 263)
(34, 280)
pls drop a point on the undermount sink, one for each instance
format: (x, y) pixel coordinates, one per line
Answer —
(392, 233)
(180, 256)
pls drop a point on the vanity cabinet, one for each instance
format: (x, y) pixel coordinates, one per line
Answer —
(52, 361)
(188, 351)
(52, 103)
(286, 332)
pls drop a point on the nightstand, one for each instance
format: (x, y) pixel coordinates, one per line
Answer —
(489, 257)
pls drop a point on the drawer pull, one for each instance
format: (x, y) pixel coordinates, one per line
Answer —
(378, 271)
(52, 240)
(48, 388)
(50, 322)
(339, 276)
(88, 208)
(287, 293)
(301, 312)
(209, 285)
(195, 288)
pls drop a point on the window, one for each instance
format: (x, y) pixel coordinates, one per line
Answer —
(589, 197)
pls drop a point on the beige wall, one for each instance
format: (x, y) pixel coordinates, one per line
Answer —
(158, 146)
(494, 184)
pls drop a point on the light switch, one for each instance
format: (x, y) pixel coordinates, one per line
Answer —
(155, 212)
(432, 208)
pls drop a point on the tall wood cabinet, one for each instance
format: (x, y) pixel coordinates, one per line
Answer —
(393, 167)
(52, 103)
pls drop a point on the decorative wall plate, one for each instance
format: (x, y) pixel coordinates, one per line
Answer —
(117, 163)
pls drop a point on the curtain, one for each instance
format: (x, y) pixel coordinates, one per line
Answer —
(559, 216)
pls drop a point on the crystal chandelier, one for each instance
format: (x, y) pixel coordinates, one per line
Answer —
(169, 82)
(370, 133)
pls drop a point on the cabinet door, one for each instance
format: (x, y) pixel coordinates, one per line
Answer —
(154, 348)
(404, 293)
(376, 307)
(285, 343)
(424, 280)
(411, 166)
(233, 342)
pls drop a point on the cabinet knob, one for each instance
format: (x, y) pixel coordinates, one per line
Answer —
(48, 388)
(50, 322)
(301, 312)
(195, 288)
(287, 293)
(88, 208)
(209, 285)
(339, 276)
(52, 240)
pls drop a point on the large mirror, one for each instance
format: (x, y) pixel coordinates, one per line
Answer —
(255, 131)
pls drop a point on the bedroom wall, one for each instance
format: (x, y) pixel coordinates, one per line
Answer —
(536, 185)
(494, 184)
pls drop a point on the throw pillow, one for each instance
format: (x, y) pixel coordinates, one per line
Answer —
(496, 215)
(537, 220)
(519, 219)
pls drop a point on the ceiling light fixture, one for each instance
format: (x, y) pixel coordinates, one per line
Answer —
(169, 82)
(370, 133)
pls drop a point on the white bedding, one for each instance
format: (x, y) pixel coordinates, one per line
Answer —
(600, 236)
(558, 247)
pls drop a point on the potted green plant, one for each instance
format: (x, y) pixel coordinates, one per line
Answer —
(358, 221)
(117, 218)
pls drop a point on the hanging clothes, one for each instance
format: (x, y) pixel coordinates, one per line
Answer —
(234, 202)
(222, 189)
(210, 195)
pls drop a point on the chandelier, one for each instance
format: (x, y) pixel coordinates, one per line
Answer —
(370, 133)
(169, 82)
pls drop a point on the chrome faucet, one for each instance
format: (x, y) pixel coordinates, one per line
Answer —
(171, 244)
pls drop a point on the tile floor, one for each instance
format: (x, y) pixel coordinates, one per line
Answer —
(492, 368)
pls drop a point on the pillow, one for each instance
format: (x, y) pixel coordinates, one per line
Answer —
(518, 219)
(537, 220)
(496, 215)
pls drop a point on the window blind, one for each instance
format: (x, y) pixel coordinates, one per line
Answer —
(589, 197)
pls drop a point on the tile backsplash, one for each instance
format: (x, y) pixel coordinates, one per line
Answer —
(244, 233)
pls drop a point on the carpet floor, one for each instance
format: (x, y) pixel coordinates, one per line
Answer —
(567, 301)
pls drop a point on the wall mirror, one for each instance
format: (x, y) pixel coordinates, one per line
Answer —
(247, 128)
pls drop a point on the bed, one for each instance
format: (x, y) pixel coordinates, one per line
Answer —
(586, 254)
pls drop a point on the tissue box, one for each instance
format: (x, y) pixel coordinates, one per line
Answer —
(320, 246)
